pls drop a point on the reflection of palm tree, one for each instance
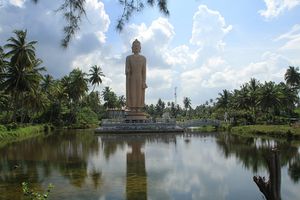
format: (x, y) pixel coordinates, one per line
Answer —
(271, 188)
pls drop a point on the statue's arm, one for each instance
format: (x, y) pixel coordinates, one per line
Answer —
(144, 72)
(127, 67)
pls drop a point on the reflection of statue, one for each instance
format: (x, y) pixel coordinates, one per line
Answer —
(271, 188)
(135, 78)
(136, 180)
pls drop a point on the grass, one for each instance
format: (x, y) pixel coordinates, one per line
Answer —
(204, 129)
(278, 131)
(19, 133)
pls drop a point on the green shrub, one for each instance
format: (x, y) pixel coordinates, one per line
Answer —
(2, 128)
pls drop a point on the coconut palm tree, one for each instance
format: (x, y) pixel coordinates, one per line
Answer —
(95, 76)
(21, 52)
(223, 99)
(187, 104)
(253, 87)
(292, 77)
(269, 97)
(47, 82)
(288, 98)
(78, 84)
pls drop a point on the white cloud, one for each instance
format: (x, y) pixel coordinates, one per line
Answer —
(18, 3)
(159, 79)
(97, 20)
(292, 39)
(217, 74)
(277, 7)
(209, 28)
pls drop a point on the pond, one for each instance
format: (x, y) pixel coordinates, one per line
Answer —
(85, 166)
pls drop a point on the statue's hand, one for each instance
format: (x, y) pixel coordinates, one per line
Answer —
(145, 86)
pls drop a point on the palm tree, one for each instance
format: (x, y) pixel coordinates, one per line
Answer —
(110, 98)
(47, 82)
(122, 101)
(187, 104)
(3, 62)
(78, 84)
(95, 76)
(21, 53)
(253, 87)
(241, 97)
(269, 97)
(292, 77)
(223, 100)
(288, 98)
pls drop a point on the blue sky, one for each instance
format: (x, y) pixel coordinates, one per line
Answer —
(204, 46)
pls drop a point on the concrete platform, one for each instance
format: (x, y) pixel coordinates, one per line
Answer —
(136, 126)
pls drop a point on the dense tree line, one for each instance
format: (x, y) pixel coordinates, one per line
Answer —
(28, 94)
(254, 102)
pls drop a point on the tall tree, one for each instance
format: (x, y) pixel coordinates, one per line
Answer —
(160, 107)
(78, 84)
(110, 98)
(292, 77)
(21, 52)
(95, 76)
(23, 73)
(223, 99)
(269, 97)
(187, 104)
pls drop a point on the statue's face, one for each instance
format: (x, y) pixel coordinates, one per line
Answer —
(136, 48)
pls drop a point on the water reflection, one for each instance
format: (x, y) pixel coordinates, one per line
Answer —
(173, 166)
(271, 188)
(136, 176)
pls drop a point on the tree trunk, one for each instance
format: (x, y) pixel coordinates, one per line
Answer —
(271, 188)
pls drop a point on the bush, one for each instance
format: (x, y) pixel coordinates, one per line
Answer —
(2, 128)
(12, 126)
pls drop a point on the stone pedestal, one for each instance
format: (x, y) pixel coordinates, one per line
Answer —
(135, 116)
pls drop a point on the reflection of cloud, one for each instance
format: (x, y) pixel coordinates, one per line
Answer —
(187, 171)
(277, 7)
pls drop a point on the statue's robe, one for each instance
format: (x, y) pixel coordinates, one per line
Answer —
(135, 81)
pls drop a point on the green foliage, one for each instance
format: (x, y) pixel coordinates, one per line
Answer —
(86, 117)
(13, 131)
(34, 195)
(270, 130)
(2, 128)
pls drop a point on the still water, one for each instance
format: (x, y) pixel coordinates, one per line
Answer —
(85, 166)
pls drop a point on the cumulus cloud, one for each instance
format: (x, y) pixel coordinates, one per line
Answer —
(217, 74)
(168, 67)
(277, 7)
(209, 28)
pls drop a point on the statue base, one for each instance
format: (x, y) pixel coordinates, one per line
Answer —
(138, 124)
(136, 116)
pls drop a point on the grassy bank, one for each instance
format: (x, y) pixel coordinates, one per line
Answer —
(10, 134)
(206, 129)
(278, 131)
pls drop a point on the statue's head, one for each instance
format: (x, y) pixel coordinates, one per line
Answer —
(136, 46)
